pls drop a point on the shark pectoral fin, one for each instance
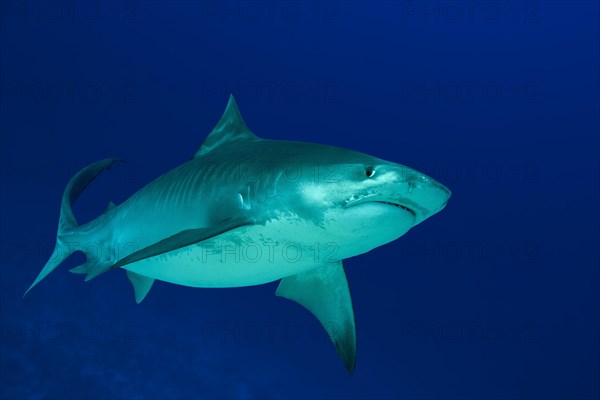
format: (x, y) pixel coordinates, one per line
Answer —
(141, 285)
(324, 292)
(182, 239)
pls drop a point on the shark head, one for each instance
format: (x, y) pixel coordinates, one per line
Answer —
(397, 186)
(366, 202)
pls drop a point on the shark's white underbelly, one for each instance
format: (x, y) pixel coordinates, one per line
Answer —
(245, 256)
(285, 246)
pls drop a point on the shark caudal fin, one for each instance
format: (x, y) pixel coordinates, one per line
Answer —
(67, 224)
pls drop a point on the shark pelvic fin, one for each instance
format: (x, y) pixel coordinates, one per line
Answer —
(230, 128)
(324, 292)
(141, 285)
(92, 268)
(182, 239)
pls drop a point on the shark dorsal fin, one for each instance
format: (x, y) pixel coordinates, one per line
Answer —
(230, 128)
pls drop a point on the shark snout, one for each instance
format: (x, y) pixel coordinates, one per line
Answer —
(424, 195)
(404, 187)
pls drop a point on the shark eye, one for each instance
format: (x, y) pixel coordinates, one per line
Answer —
(370, 171)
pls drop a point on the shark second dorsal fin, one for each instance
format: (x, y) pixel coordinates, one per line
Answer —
(230, 128)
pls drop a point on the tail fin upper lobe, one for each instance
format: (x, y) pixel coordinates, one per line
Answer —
(67, 225)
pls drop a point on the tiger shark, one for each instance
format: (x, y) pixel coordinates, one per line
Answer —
(248, 211)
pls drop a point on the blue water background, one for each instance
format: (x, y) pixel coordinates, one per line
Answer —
(495, 297)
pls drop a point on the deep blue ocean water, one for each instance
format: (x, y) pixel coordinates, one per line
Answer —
(495, 297)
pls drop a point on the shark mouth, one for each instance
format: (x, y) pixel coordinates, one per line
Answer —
(397, 205)
(370, 199)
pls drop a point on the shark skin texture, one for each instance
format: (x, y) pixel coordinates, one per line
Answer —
(247, 211)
